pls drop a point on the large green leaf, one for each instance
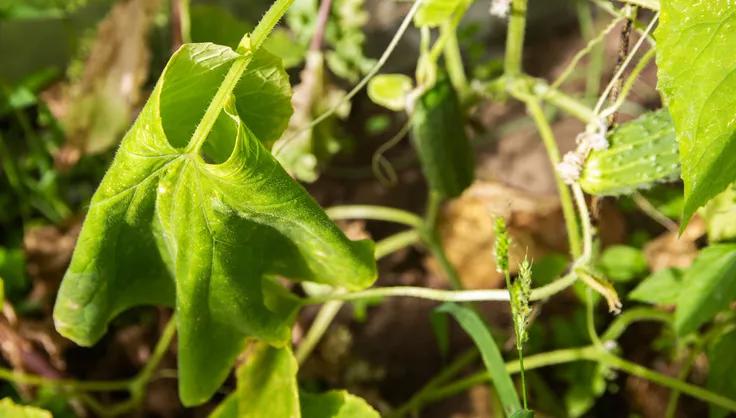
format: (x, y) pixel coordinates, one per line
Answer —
(491, 355)
(697, 77)
(9, 409)
(709, 285)
(201, 232)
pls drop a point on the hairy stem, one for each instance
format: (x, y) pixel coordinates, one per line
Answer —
(568, 209)
(247, 47)
(515, 39)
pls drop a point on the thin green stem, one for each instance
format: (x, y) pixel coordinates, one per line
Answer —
(457, 365)
(248, 45)
(330, 309)
(377, 213)
(585, 221)
(139, 383)
(568, 210)
(358, 87)
(515, 39)
(523, 377)
(136, 385)
(597, 51)
(440, 295)
(319, 326)
(454, 61)
(73, 385)
(622, 322)
(588, 353)
(624, 64)
(396, 242)
(562, 101)
(546, 291)
(630, 80)
(434, 245)
(681, 375)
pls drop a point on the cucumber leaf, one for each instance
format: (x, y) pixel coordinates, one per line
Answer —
(491, 355)
(708, 287)
(267, 387)
(202, 232)
(697, 80)
(335, 404)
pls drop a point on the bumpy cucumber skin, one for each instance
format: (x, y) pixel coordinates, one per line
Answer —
(642, 152)
(438, 135)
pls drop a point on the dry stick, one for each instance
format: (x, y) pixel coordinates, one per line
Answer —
(623, 52)
(319, 32)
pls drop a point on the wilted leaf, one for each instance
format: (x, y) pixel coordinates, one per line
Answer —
(203, 232)
(697, 81)
(97, 108)
(720, 216)
(708, 287)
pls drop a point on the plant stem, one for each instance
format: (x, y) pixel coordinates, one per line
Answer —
(377, 213)
(595, 64)
(454, 61)
(568, 210)
(331, 308)
(440, 295)
(136, 385)
(319, 326)
(248, 45)
(515, 39)
(523, 377)
(562, 101)
(588, 353)
(544, 292)
(139, 383)
(434, 245)
(682, 375)
(447, 373)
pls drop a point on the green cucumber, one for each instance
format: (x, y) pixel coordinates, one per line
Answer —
(438, 135)
(641, 153)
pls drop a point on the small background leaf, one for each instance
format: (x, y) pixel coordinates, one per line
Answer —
(622, 263)
(708, 287)
(661, 288)
(720, 376)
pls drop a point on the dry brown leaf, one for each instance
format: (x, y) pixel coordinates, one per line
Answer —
(671, 250)
(534, 223)
(96, 109)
